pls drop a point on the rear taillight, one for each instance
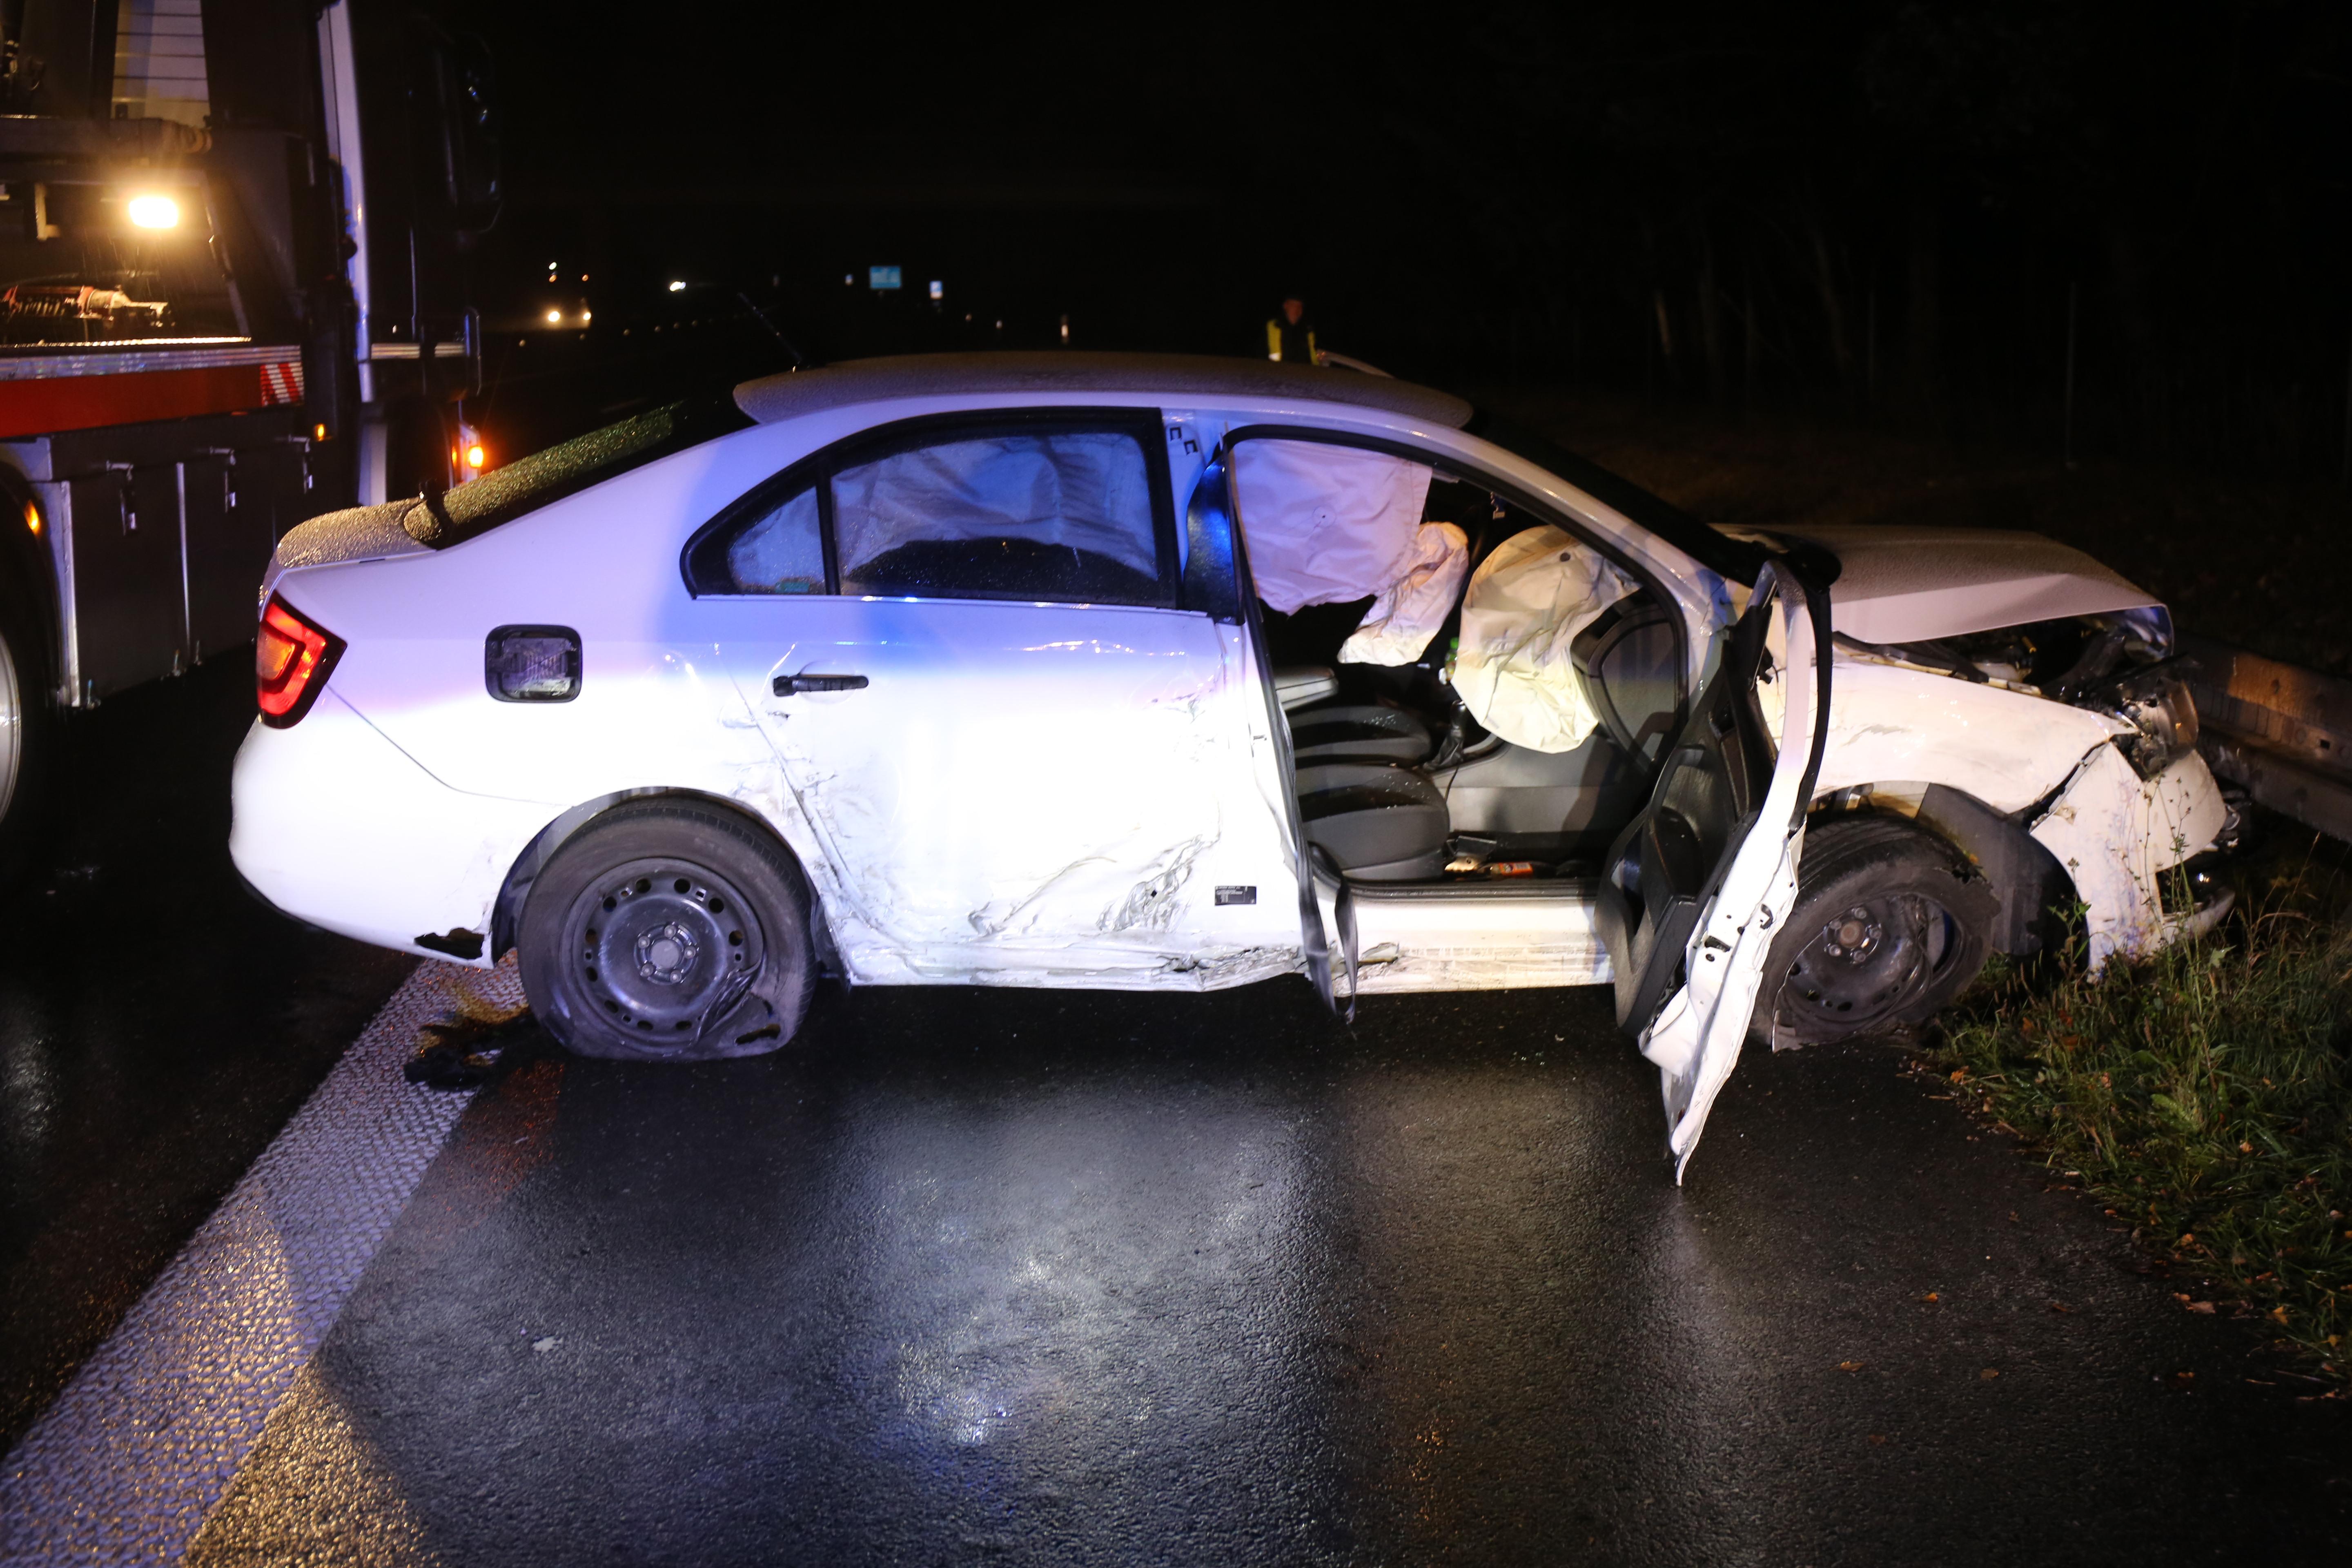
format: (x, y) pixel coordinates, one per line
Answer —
(290, 662)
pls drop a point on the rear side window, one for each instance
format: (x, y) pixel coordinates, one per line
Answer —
(1060, 507)
(780, 550)
(1059, 515)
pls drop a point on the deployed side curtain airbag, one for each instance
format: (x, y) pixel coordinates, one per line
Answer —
(1082, 490)
(1527, 602)
(1408, 612)
(1326, 524)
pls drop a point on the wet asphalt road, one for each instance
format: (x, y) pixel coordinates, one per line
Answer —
(1076, 1279)
(984, 1276)
(157, 1026)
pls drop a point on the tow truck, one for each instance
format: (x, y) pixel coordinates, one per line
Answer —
(235, 240)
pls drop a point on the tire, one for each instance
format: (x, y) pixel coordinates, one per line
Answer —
(1886, 927)
(29, 730)
(668, 931)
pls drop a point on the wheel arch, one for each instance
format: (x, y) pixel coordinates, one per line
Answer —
(2028, 885)
(506, 908)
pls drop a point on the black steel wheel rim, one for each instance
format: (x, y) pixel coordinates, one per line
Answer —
(663, 949)
(1872, 959)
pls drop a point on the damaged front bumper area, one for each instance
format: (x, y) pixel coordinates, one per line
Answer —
(2119, 835)
(340, 828)
(2138, 821)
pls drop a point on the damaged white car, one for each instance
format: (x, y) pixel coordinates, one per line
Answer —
(1168, 673)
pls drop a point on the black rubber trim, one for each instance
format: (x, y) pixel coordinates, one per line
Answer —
(1735, 559)
(259, 896)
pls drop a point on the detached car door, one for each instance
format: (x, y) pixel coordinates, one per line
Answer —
(1019, 757)
(1696, 885)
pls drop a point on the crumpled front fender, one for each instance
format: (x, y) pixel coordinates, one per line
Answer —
(2116, 835)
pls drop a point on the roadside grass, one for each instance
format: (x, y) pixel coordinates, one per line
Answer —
(2204, 1095)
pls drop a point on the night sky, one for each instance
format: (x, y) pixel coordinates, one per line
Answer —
(1859, 204)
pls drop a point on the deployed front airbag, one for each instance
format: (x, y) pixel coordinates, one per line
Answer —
(1527, 602)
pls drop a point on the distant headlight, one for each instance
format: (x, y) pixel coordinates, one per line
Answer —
(2163, 716)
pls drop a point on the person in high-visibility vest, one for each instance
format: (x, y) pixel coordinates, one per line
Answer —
(1289, 338)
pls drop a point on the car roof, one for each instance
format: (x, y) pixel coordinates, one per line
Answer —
(773, 398)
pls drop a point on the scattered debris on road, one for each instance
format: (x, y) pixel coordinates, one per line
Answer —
(461, 1054)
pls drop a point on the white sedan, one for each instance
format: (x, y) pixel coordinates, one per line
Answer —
(1168, 673)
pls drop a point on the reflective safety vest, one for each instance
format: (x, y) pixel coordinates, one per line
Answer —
(1275, 327)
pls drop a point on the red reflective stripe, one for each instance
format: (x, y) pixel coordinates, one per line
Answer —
(282, 382)
(85, 402)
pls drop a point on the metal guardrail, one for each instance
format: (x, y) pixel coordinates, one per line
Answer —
(2282, 732)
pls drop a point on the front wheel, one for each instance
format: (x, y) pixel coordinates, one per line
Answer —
(1886, 927)
(668, 931)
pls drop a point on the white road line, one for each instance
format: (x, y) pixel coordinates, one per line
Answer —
(147, 1436)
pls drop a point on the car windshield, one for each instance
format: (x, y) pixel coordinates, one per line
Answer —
(529, 483)
(1735, 559)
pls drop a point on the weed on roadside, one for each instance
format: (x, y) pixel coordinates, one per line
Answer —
(2203, 1094)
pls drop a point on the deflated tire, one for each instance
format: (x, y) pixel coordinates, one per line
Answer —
(669, 930)
(1887, 927)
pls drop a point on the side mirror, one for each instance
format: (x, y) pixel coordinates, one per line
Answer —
(465, 94)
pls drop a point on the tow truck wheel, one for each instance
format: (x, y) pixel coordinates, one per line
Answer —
(29, 728)
(1885, 929)
(668, 931)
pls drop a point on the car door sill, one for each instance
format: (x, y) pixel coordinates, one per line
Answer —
(1582, 889)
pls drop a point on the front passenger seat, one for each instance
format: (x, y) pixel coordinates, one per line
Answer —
(1380, 821)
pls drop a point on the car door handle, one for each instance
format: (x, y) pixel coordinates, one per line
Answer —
(789, 685)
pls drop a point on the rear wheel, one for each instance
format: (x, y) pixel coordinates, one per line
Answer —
(668, 931)
(1885, 929)
(29, 726)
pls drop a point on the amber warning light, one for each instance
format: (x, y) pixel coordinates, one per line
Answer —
(291, 659)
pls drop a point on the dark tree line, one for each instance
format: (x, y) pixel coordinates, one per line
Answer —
(1906, 208)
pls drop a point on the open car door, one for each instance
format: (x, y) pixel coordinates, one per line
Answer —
(1696, 885)
(1217, 581)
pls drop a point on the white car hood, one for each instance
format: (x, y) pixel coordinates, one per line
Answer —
(1912, 585)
